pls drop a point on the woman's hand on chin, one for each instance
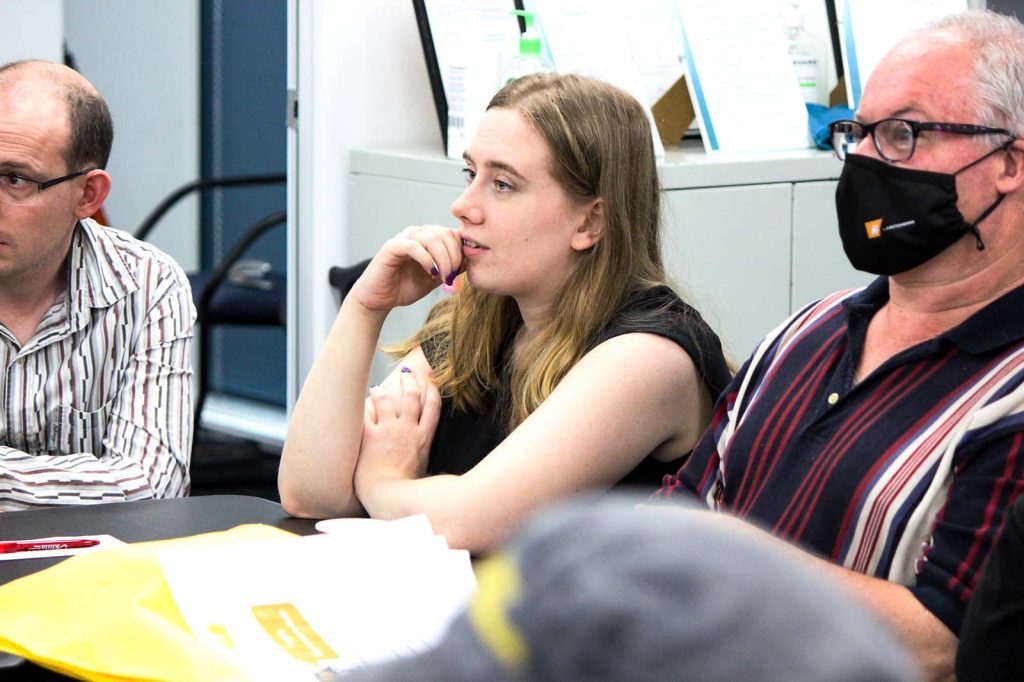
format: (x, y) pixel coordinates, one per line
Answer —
(408, 266)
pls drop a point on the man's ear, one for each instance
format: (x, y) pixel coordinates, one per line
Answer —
(1011, 179)
(97, 187)
(591, 229)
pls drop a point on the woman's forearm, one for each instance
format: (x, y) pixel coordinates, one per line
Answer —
(322, 445)
(454, 511)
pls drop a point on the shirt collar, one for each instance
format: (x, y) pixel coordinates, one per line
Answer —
(98, 276)
(999, 323)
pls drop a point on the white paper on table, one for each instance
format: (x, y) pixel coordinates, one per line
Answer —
(286, 608)
(412, 532)
(870, 28)
(410, 528)
(625, 45)
(106, 542)
(740, 76)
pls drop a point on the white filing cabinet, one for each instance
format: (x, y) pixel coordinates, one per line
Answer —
(747, 239)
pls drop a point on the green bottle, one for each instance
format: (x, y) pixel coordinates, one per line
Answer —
(531, 52)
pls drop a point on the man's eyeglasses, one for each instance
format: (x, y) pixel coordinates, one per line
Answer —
(18, 190)
(896, 138)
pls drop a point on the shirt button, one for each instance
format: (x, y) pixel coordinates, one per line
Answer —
(833, 399)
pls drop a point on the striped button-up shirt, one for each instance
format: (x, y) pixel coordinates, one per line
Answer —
(97, 405)
(905, 475)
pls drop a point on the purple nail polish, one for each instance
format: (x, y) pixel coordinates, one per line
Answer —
(406, 370)
(433, 271)
(450, 279)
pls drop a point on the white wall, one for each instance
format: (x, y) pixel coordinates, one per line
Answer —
(32, 29)
(370, 89)
(143, 57)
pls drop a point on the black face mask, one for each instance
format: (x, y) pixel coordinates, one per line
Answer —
(892, 219)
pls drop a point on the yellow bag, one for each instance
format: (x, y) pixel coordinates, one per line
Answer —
(110, 615)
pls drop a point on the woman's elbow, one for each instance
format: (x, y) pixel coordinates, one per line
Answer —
(294, 504)
(301, 502)
(290, 492)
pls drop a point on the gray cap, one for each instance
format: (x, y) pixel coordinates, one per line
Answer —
(604, 591)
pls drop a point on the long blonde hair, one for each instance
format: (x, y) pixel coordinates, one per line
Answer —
(600, 144)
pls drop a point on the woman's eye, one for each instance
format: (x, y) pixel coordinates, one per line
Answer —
(469, 173)
(502, 186)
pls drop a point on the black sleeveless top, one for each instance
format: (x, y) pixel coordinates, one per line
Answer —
(463, 439)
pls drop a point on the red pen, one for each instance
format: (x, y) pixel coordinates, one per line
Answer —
(43, 545)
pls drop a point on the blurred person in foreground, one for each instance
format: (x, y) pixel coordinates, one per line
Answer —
(603, 592)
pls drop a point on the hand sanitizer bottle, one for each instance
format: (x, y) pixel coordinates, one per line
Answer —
(531, 54)
(807, 54)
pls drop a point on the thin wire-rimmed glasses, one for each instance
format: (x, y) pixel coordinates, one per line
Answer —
(21, 191)
(896, 138)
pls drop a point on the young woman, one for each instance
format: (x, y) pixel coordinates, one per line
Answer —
(564, 363)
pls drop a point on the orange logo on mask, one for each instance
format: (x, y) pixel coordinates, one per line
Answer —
(873, 228)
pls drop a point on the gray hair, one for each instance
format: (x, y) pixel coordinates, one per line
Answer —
(998, 44)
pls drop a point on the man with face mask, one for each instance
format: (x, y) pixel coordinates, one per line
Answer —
(883, 429)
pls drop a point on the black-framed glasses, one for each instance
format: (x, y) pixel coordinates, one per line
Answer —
(18, 190)
(896, 138)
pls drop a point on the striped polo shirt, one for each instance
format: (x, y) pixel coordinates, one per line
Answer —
(905, 475)
(97, 406)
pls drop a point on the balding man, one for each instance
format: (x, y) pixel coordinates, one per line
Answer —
(884, 428)
(95, 327)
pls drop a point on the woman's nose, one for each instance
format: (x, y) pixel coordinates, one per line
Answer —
(466, 208)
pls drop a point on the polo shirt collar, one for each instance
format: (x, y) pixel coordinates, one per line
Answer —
(870, 298)
(999, 323)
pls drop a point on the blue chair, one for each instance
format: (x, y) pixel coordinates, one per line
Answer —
(227, 294)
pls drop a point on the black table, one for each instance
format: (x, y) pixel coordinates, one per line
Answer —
(130, 522)
(138, 522)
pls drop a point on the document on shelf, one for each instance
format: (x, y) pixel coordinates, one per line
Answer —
(472, 41)
(870, 28)
(741, 79)
(627, 46)
(635, 44)
(287, 608)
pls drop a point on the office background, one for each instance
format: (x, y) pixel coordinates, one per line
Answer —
(199, 87)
